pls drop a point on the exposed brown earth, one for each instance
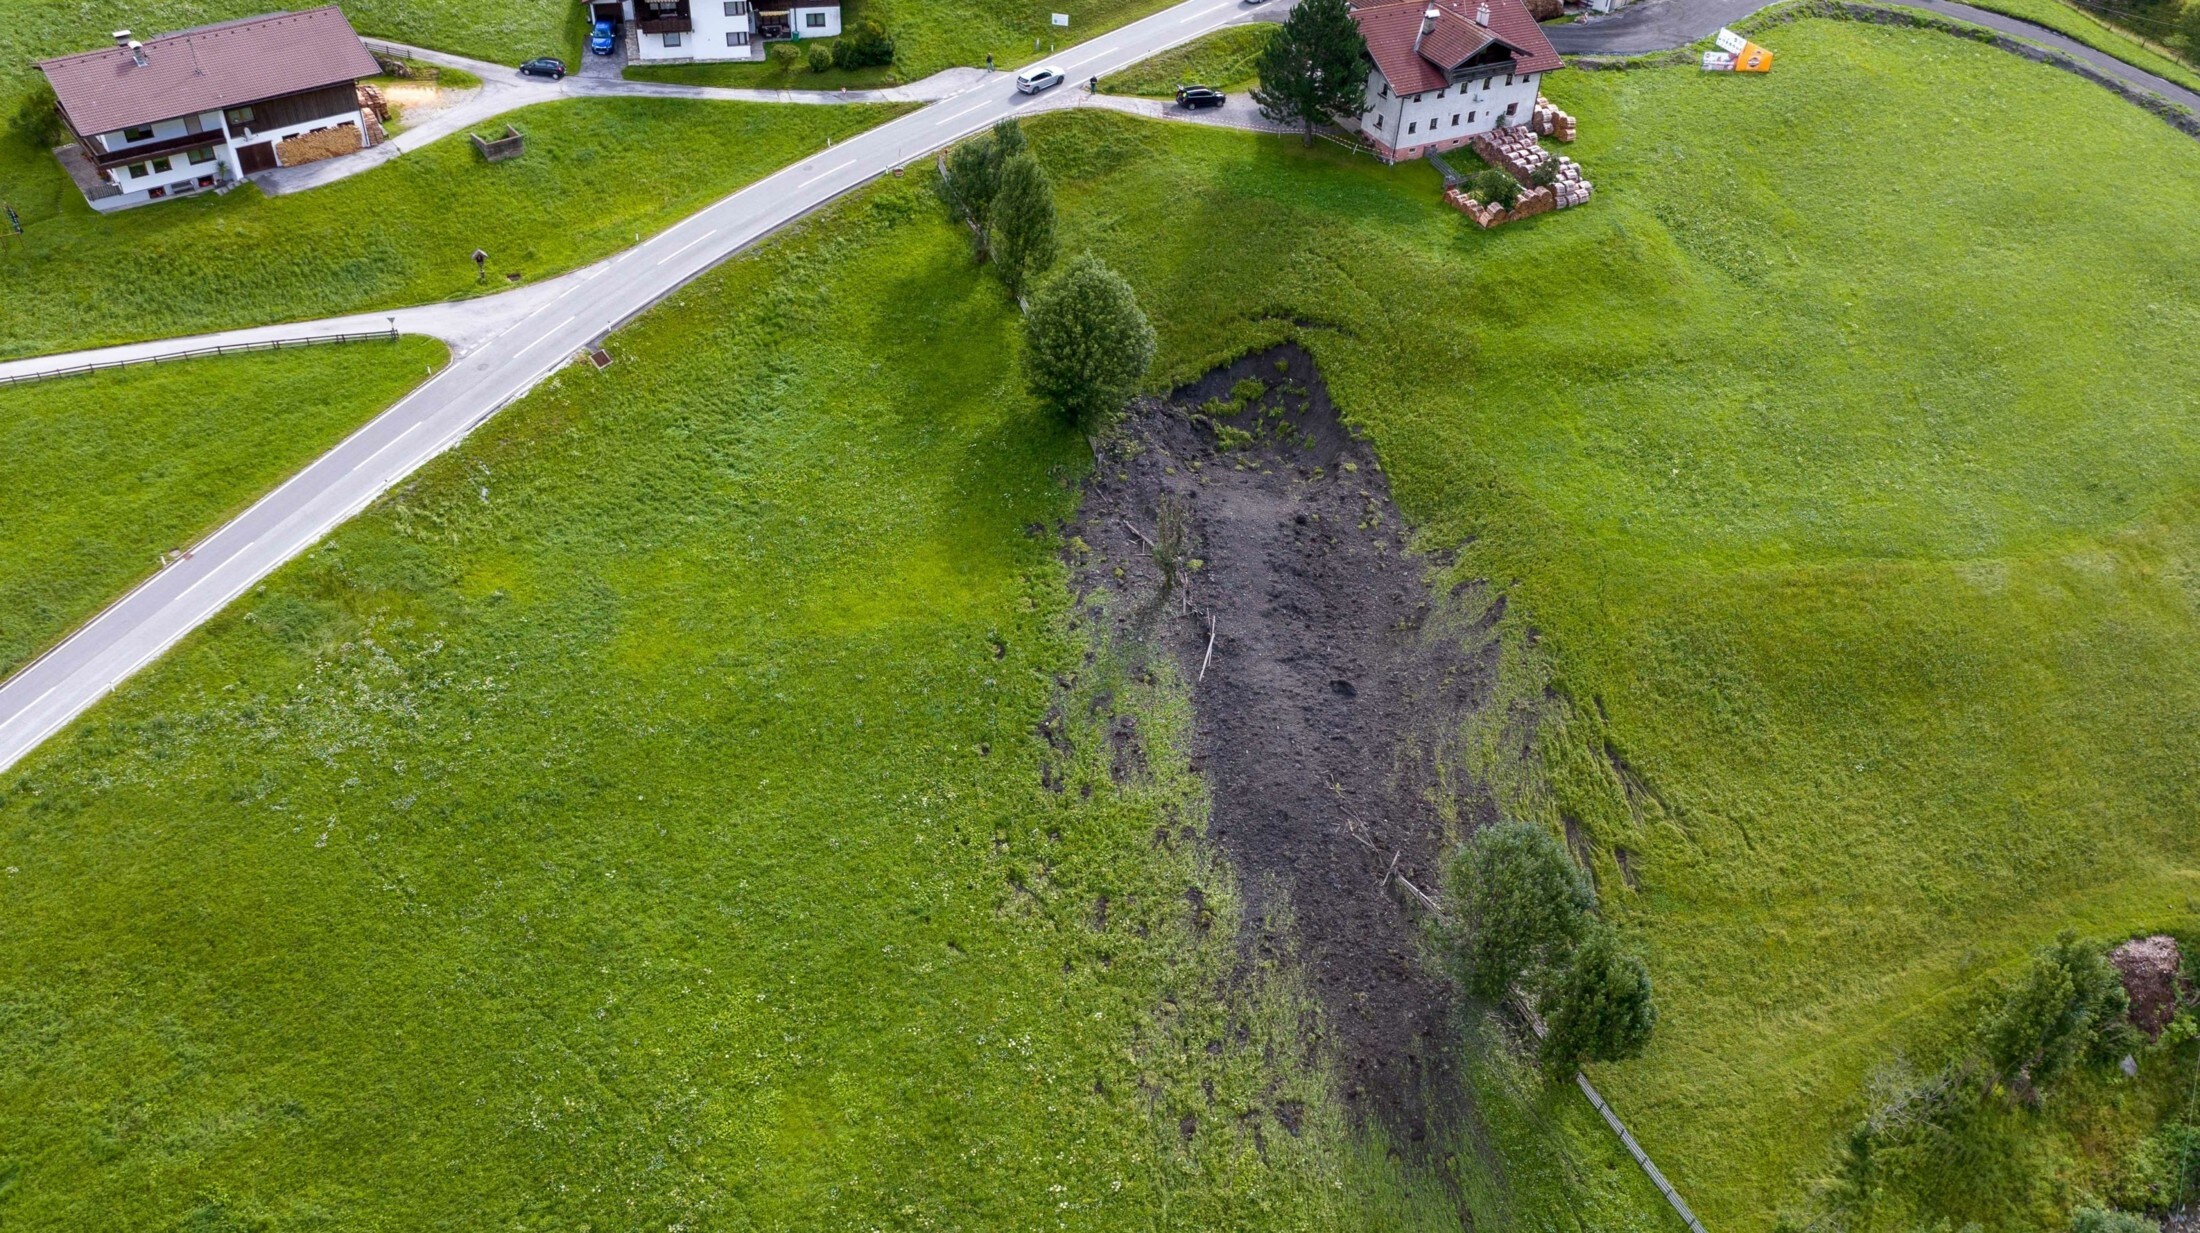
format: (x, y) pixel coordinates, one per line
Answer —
(1327, 688)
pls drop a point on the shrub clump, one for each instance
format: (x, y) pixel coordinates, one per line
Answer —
(864, 44)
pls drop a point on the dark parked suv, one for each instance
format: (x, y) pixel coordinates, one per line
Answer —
(1195, 97)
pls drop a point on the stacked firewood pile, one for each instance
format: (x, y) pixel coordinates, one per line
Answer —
(1486, 215)
(315, 146)
(1516, 152)
(1548, 120)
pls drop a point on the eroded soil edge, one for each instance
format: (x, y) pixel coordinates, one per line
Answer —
(1329, 695)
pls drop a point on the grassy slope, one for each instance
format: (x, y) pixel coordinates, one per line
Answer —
(105, 473)
(1226, 59)
(1880, 569)
(637, 820)
(596, 173)
(2099, 34)
(1870, 569)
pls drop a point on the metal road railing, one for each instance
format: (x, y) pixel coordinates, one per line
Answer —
(270, 344)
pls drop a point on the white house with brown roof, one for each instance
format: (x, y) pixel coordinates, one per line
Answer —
(1445, 70)
(199, 108)
(686, 31)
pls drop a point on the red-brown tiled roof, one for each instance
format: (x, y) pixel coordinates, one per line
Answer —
(1391, 28)
(208, 68)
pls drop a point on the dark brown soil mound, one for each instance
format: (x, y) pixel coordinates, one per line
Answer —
(1326, 686)
(2150, 968)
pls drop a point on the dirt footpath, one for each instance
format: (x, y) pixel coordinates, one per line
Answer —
(1326, 691)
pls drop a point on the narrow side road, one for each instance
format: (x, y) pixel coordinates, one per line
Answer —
(1662, 25)
(560, 318)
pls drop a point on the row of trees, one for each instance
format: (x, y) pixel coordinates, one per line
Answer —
(1525, 920)
(1087, 343)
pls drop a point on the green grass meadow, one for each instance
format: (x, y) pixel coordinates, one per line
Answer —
(1228, 59)
(635, 820)
(104, 473)
(597, 173)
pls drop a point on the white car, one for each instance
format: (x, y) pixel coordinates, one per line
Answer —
(1033, 80)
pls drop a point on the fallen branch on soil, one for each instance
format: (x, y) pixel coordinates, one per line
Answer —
(1135, 531)
(1210, 647)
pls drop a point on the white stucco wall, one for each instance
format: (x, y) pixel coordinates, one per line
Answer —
(1407, 126)
(718, 34)
(815, 21)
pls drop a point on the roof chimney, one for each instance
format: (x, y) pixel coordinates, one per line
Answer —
(137, 53)
(122, 38)
(1428, 23)
(1482, 14)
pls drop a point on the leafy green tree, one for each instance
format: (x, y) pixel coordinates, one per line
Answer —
(1314, 68)
(36, 120)
(863, 44)
(1600, 1009)
(974, 177)
(2188, 24)
(786, 55)
(1521, 904)
(1086, 343)
(2068, 1007)
(820, 57)
(1020, 225)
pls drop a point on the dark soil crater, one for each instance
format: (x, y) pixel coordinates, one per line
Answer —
(1332, 688)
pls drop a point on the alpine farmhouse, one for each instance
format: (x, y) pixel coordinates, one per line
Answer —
(204, 107)
(1443, 73)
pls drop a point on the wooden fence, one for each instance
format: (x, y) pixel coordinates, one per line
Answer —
(272, 344)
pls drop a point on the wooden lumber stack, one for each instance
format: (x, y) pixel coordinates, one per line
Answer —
(1516, 152)
(315, 146)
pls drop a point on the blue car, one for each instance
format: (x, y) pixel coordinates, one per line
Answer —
(600, 39)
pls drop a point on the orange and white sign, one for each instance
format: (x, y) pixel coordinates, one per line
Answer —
(1736, 55)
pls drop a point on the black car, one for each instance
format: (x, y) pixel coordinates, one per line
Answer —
(544, 66)
(1195, 97)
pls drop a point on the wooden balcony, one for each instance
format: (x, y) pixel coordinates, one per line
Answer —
(664, 18)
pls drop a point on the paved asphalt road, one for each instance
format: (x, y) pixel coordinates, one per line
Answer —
(560, 319)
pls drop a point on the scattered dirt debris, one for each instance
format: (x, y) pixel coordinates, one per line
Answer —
(1322, 689)
(2150, 968)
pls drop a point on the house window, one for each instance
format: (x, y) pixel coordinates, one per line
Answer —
(733, 8)
(1414, 127)
(1439, 94)
(1513, 110)
(672, 40)
(200, 156)
(1386, 91)
(1486, 83)
(1416, 98)
(142, 132)
(1470, 117)
(156, 192)
(136, 170)
(737, 38)
(1455, 119)
(239, 115)
(814, 21)
(161, 164)
(1508, 79)
(1378, 122)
